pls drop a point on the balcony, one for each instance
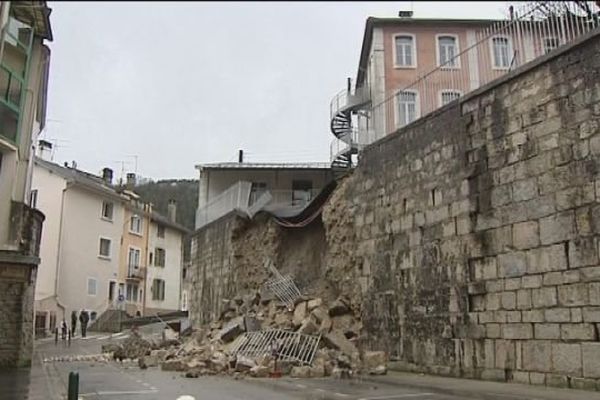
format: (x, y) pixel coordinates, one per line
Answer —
(25, 230)
(136, 273)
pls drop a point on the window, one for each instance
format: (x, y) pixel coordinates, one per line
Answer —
(134, 258)
(111, 290)
(150, 258)
(136, 224)
(158, 289)
(33, 196)
(107, 210)
(160, 232)
(550, 43)
(160, 258)
(301, 192)
(407, 110)
(448, 96)
(404, 51)
(132, 292)
(501, 52)
(448, 51)
(104, 248)
(91, 287)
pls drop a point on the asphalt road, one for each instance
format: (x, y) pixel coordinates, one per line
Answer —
(113, 380)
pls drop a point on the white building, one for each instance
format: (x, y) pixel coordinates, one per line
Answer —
(80, 246)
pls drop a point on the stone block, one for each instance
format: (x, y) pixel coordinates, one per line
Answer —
(589, 274)
(512, 264)
(492, 301)
(493, 331)
(557, 228)
(576, 315)
(524, 299)
(483, 268)
(537, 355)
(553, 278)
(583, 252)
(557, 315)
(531, 281)
(526, 235)
(513, 316)
(500, 195)
(573, 295)
(591, 360)
(525, 189)
(566, 358)
(497, 375)
(509, 300)
(547, 259)
(544, 297)
(594, 293)
(577, 332)
(546, 331)
(583, 384)
(558, 381)
(505, 354)
(512, 283)
(537, 378)
(532, 316)
(337, 340)
(521, 377)
(591, 314)
(314, 303)
(497, 240)
(517, 331)
(494, 286)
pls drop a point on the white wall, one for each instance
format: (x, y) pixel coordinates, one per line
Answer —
(49, 200)
(171, 273)
(82, 229)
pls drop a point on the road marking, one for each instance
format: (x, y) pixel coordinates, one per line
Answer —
(145, 384)
(186, 397)
(397, 396)
(320, 390)
(301, 386)
(341, 394)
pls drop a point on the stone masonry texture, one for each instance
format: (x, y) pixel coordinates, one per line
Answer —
(468, 240)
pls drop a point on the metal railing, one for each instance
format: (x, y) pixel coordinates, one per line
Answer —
(235, 197)
(348, 98)
(535, 29)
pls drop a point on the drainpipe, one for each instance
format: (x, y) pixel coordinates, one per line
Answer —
(60, 234)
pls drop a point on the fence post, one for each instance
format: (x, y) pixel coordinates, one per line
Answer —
(73, 385)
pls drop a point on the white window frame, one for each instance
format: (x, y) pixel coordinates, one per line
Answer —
(141, 224)
(558, 43)
(102, 256)
(444, 91)
(33, 197)
(414, 50)
(92, 279)
(510, 52)
(112, 212)
(457, 50)
(134, 248)
(397, 111)
(155, 295)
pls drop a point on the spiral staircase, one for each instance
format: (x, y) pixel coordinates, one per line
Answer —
(346, 143)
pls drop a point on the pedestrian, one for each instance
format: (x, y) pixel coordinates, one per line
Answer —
(73, 322)
(63, 330)
(84, 317)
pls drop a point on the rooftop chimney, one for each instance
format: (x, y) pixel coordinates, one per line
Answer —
(241, 156)
(172, 210)
(44, 150)
(130, 180)
(405, 14)
(107, 175)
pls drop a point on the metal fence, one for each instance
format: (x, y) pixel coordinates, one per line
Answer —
(235, 197)
(534, 29)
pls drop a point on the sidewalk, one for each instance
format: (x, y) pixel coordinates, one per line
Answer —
(477, 389)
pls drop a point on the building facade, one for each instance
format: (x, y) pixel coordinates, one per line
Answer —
(24, 66)
(98, 247)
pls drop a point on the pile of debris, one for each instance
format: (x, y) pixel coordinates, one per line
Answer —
(272, 332)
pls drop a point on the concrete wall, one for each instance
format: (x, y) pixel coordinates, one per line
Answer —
(171, 273)
(469, 239)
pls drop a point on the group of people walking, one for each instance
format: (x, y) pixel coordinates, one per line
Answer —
(68, 333)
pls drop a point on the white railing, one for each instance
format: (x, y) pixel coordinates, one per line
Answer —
(235, 197)
(348, 98)
(535, 29)
(290, 198)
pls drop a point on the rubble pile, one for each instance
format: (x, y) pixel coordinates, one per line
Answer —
(215, 348)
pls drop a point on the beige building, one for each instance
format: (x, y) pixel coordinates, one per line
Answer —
(250, 187)
(24, 66)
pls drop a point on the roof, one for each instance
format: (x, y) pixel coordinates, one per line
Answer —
(372, 22)
(154, 216)
(36, 14)
(245, 165)
(79, 177)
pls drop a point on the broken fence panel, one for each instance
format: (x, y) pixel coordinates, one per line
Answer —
(285, 289)
(291, 346)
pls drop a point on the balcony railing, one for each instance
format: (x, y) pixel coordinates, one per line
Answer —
(136, 273)
(235, 197)
(348, 98)
(26, 229)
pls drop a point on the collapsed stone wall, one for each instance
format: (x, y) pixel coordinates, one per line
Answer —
(472, 234)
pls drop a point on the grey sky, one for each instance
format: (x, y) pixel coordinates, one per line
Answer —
(179, 84)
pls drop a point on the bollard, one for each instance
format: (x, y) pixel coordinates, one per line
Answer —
(73, 385)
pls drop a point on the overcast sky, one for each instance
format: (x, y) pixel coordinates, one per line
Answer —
(179, 84)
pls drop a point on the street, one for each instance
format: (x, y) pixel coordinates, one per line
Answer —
(113, 380)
